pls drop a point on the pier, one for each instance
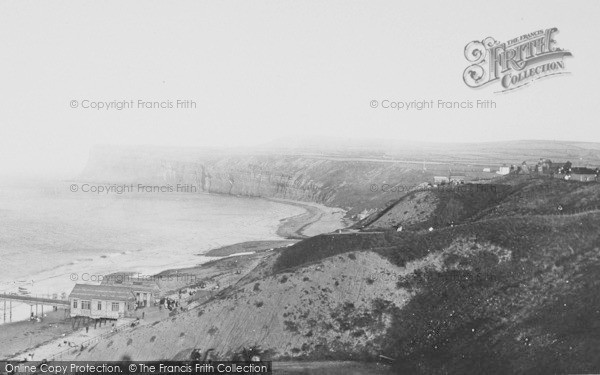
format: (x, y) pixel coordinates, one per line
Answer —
(38, 301)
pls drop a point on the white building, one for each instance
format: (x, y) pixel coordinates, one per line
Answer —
(101, 301)
(146, 291)
(503, 171)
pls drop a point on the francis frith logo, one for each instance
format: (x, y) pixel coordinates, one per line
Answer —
(515, 63)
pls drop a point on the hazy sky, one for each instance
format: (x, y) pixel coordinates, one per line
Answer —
(260, 70)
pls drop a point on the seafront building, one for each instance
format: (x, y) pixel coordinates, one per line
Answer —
(146, 291)
(101, 301)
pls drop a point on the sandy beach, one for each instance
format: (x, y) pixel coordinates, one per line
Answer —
(248, 247)
(17, 337)
(317, 219)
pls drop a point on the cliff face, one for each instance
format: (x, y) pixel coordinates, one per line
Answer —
(355, 185)
(296, 178)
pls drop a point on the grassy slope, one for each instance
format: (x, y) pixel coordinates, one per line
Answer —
(451, 205)
(466, 209)
(336, 309)
(537, 312)
(508, 289)
(509, 196)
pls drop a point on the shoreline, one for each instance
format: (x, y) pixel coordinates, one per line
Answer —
(247, 247)
(23, 336)
(291, 229)
(317, 215)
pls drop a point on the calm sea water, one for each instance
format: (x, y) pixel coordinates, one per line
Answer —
(48, 234)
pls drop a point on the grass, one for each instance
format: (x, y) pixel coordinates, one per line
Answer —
(513, 195)
(323, 246)
(459, 203)
(536, 311)
(468, 320)
(536, 195)
(519, 234)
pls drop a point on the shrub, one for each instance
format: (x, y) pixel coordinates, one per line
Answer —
(291, 326)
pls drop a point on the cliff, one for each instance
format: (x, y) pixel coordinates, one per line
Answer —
(354, 185)
(362, 177)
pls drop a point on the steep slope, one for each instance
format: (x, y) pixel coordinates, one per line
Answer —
(510, 287)
(336, 308)
(531, 307)
(509, 196)
(504, 295)
(498, 296)
(438, 206)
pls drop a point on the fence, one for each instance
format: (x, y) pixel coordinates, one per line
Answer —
(87, 343)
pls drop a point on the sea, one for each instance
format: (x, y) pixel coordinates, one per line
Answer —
(52, 237)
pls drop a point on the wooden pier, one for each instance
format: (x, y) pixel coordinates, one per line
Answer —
(31, 300)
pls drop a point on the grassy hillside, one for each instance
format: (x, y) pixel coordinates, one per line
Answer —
(535, 311)
(438, 206)
(516, 290)
(503, 284)
(509, 196)
(323, 246)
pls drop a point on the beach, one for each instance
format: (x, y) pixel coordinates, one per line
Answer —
(139, 244)
(317, 219)
(19, 336)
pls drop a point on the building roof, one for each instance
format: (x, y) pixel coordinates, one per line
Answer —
(144, 288)
(137, 284)
(102, 292)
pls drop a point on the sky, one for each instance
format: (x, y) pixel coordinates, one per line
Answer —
(262, 70)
